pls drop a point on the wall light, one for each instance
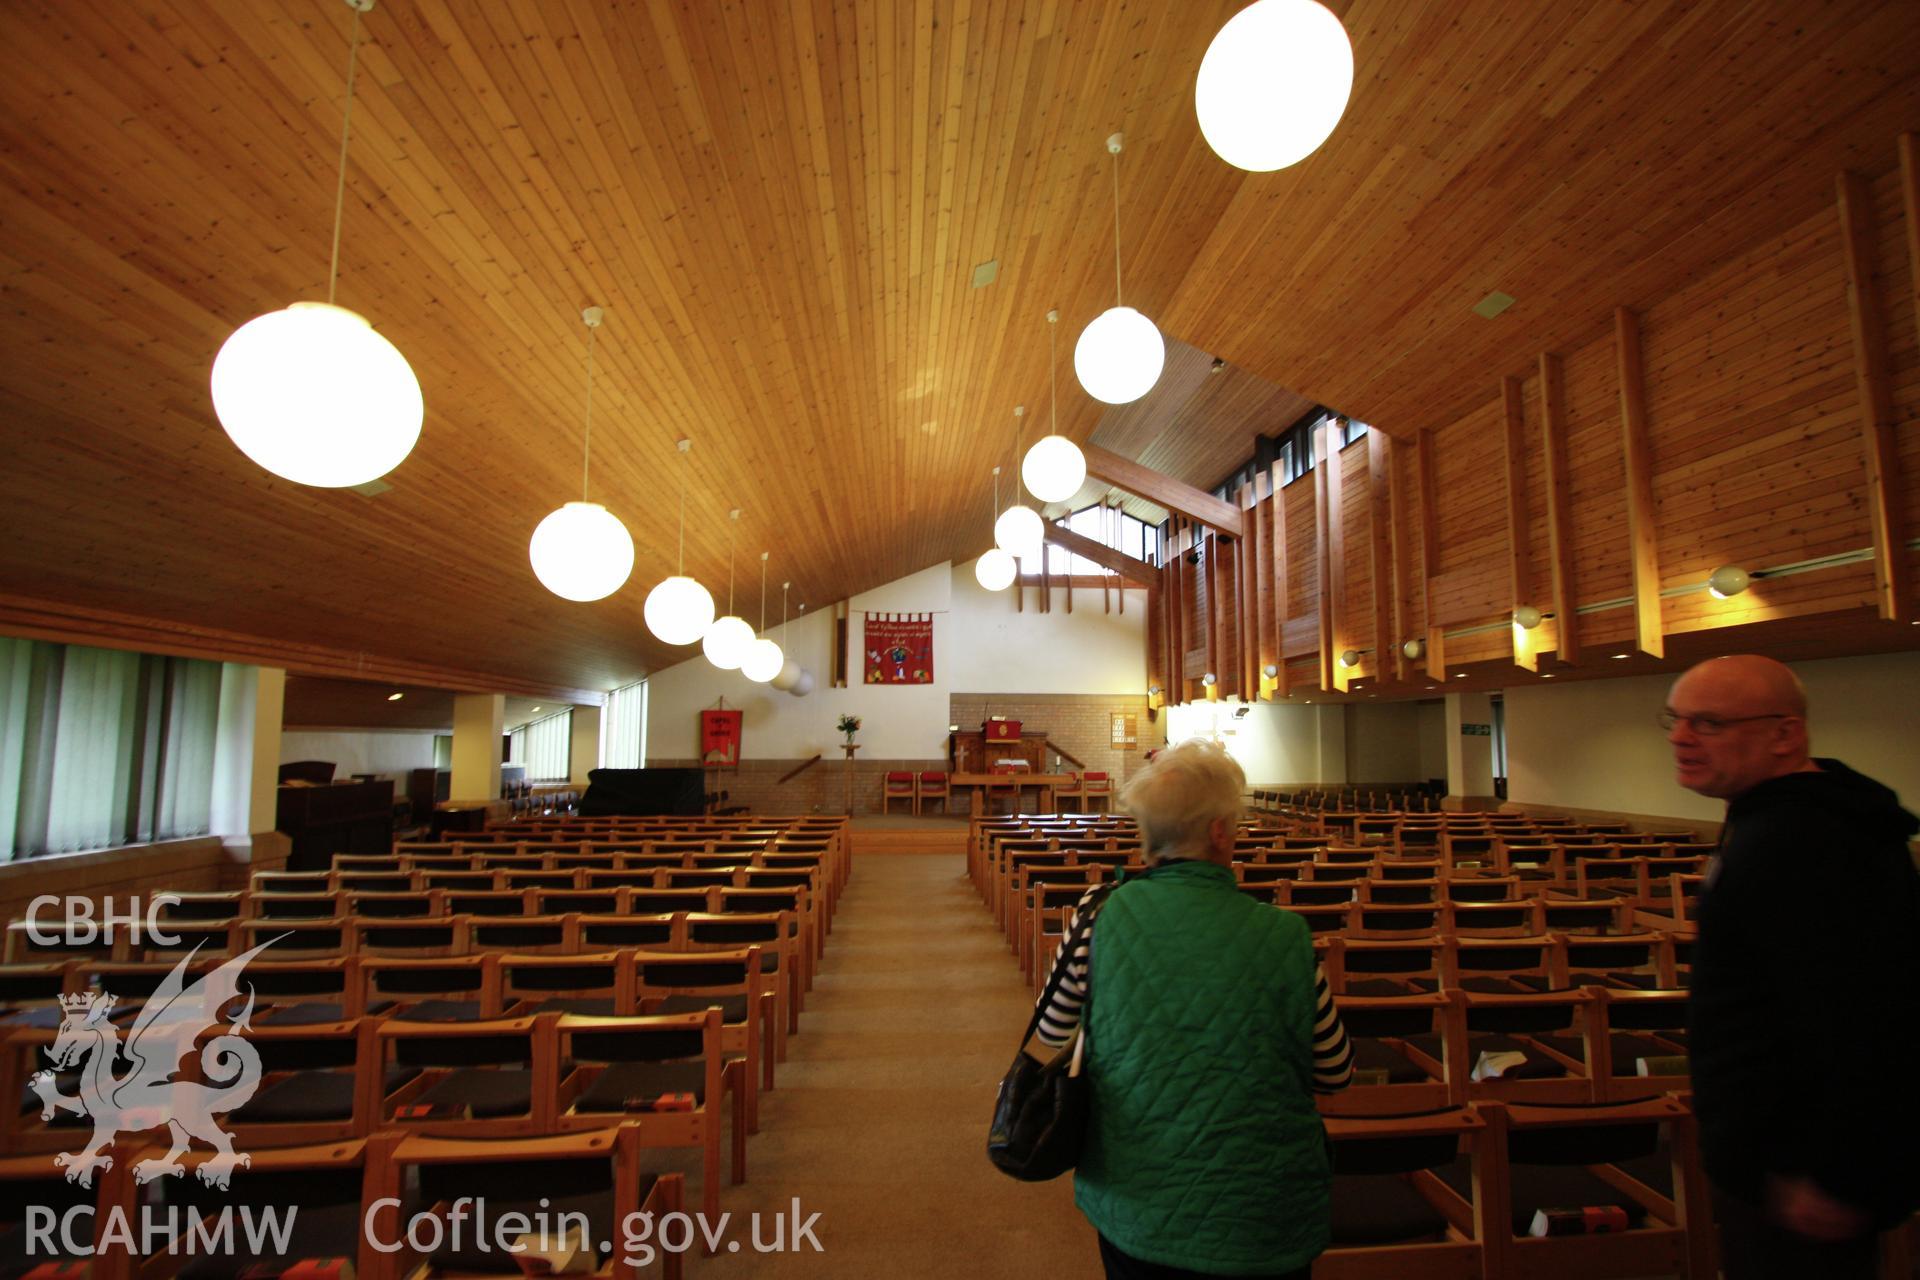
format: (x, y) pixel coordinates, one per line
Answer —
(1351, 658)
(1526, 617)
(1414, 648)
(1728, 580)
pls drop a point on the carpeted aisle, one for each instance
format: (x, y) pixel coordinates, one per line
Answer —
(879, 1121)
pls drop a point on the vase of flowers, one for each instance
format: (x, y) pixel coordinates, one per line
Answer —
(849, 725)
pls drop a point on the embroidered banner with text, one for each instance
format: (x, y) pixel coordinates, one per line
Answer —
(899, 648)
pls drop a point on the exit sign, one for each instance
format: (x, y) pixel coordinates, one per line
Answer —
(1476, 731)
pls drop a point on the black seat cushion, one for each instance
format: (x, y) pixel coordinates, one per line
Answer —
(1489, 985)
(437, 1010)
(312, 1097)
(1377, 1055)
(580, 1006)
(1537, 1066)
(624, 1080)
(304, 1013)
(316, 1231)
(485, 1092)
(1628, 1049)
(732, 1008)
(1539, 1186)
(1380, 1208)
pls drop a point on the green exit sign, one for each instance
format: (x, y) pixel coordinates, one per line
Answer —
(1476, 731)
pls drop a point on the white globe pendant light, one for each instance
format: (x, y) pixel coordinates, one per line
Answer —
(789, 673)
(1119, 356)
(1018, 530)
(728, 639)
(1274, 83)
(314, 395)
(995, 570)
(582, 551)
(763, 659)
(1054, 469)
(804, 685)
(311, 392)
(679, 610)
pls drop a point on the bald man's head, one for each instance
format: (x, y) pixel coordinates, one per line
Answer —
(1738, 721)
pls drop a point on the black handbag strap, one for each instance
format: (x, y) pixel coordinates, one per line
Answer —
(1081, 929)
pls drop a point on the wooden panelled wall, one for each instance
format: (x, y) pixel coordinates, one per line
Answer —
(1765, 416)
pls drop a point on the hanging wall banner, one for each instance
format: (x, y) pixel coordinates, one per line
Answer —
(720, 738)
(899, 648)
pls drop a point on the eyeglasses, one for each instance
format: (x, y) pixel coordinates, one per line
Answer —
(1709, 726)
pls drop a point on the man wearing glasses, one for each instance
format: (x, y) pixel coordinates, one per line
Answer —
(1806, 983)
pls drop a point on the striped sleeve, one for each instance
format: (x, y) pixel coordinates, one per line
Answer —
(1060, 1015)
(1332, 1051)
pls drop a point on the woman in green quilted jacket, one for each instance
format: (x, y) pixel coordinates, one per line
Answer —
(1209, 1030)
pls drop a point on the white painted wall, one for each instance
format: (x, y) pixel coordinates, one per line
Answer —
(1593, 744)
(1433, 740)
(1383, 742)
(1274, 743)
(980, 645)
(389, 753)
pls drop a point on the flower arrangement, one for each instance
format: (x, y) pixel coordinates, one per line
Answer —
(849, 725)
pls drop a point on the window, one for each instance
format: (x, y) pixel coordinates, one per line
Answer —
(1108, 526)
(545, 748)
(623, 728)
(100, 747)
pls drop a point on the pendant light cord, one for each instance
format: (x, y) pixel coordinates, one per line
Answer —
(346, 129)
(1116, 230)
(586, 449)
(734, 520)
(763, 591)
(1053, 371)
(682, 569)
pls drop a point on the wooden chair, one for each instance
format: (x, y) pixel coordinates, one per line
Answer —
(1096, 791)
(632, 1069)
(594, 1174)
(899, 784)
(495, 1077)
(1392, 1214)
(933, 784)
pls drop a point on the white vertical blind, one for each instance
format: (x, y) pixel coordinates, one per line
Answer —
(623, 728)
(547, 743)
(101, 747)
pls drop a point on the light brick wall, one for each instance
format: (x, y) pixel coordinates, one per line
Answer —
(1079, 723)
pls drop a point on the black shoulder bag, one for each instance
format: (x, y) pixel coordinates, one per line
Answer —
(1040, 1115)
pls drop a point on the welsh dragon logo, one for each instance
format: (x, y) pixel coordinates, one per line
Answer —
(146, 1095)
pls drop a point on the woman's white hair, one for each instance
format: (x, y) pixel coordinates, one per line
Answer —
(1180, 794)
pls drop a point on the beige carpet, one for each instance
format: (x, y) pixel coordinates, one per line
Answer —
(880, 1118)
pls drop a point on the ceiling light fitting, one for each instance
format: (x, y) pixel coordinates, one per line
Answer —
(1526, 617)
(1120, 354)
(995, 570)
(728, 639)
(581, 551)
(790, 671)
(311, 392)
(763, 658)
(1728, 580)
(1414, 649)
(1054, 469)
(1019, 531)
(679, 610)
(1274, 83)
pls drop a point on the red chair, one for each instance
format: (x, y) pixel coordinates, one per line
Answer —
(899, 785)
(933, 785)
(1095, 787)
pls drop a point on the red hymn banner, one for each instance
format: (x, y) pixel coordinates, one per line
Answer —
(899, 648)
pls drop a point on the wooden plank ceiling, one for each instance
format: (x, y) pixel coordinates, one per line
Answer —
(781, 208)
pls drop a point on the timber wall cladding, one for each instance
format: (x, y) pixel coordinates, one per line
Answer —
(1754, 412)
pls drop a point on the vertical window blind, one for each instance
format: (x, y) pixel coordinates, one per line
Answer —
(623, 728)
(100, 747)
(547, 743)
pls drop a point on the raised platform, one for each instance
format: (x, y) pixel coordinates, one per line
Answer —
(904, 834)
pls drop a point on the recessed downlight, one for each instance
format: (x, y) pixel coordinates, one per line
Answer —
(395, 697)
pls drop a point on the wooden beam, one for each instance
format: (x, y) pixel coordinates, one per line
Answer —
(1643, 548)
(1380, 551)
(1211, 566)
(1519, 570)
(1260, 575)
(1195, 504)
(1892, 588)
(1247, 626)
(1323, 563)
(1436, 657)
(1138, 572)
(1909, 146)
(1333, 594)
(1429, 516)
(1277, 557)
(1177, 610)
(1553, 437)
(1402, 573)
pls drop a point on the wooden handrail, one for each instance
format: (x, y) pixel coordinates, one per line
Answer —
(798, 770)
(1053, 747)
